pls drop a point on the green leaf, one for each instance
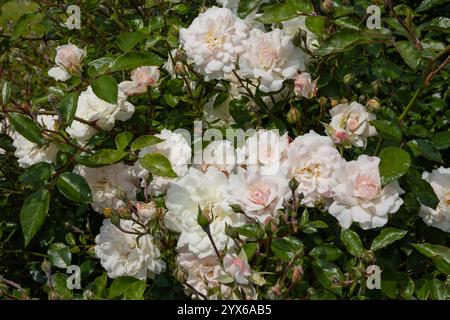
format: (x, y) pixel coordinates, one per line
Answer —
(250, 230)
(119, 285)
(21, 26)
(409, 53)
(326, 252)
(250, 250)
(316, 24)
(394, 163)
(346, 23)
(68, 107)
(245, 7)
(441, 140)
(423, 191)
(158, 165)
(59, 255)
(127, 41)
(135, 291)
(340, 41)
(6, 92)
(74, 187)
(433, 250)
(38, 172)
(352, 242)
(26, 127)
(328, 273)
(99, 285)
(286, 248)
(132, 60)
(428, 4)
(387, 130)
(33, 212)
(106, 88)
(145, 141)
(99, 66)
(123, 139)
(105, 157)
(59, 281)
(437, 289)
(386, 237)
(284, 11)
(171, 100)
(426, 149)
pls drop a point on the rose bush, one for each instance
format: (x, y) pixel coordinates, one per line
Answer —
(244, 149)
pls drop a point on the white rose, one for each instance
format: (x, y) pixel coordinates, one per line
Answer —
(146, 211)
(208, 192)
(304, 86)
(203, 274)
(176, 149)
(213, 42)
(291, 27)
(439, 217)
(270, 57)
(266, 150)
(29, 153)
(108, 183)
(237, 267)
(359, 197)
(95, 110)
(124, 254)
(313, 161)
(220, 154)
(141, 79)
(68, 59)
(259, 196)
(351, 123)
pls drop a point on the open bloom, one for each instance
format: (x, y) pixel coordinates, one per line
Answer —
(265, 149)
(29, 153)
(176, 149)
(141, 79)
(270, 57)
(206, 192)
(260, 196)
(68, 60)
(350, 123)
(237, 267)
(220, 154)
(304, 86)
(213, 42)
(125, 254)
(313, 162)
(439, 217)
(359, 197)
(111, 186)
(93, 109)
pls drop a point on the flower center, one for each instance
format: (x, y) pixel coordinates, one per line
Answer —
(310, 171)
(213, 42)
(260, 194)
(367, 187)
(353, 122)
(447, 199)
(239, 263)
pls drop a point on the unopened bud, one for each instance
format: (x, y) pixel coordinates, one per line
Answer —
(203, 218)
(122, 195)
(231, 232)
(293, 184)
(179, 68)
(236, 208)
(368, 256)
(348, 78)
(376, 85)
(115, 219)
(373, 105)
(334, 102)
(107, 212)
(124, 213)
(297, 274)
(323, 101)
(327, 6)
(293, 115)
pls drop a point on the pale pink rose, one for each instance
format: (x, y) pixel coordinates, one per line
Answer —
(237, 267)
(69, 56)
(304, 86)
(141, 79)
(146, 211)
(340, 136)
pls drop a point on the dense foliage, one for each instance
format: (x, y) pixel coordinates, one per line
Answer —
(52, 153)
